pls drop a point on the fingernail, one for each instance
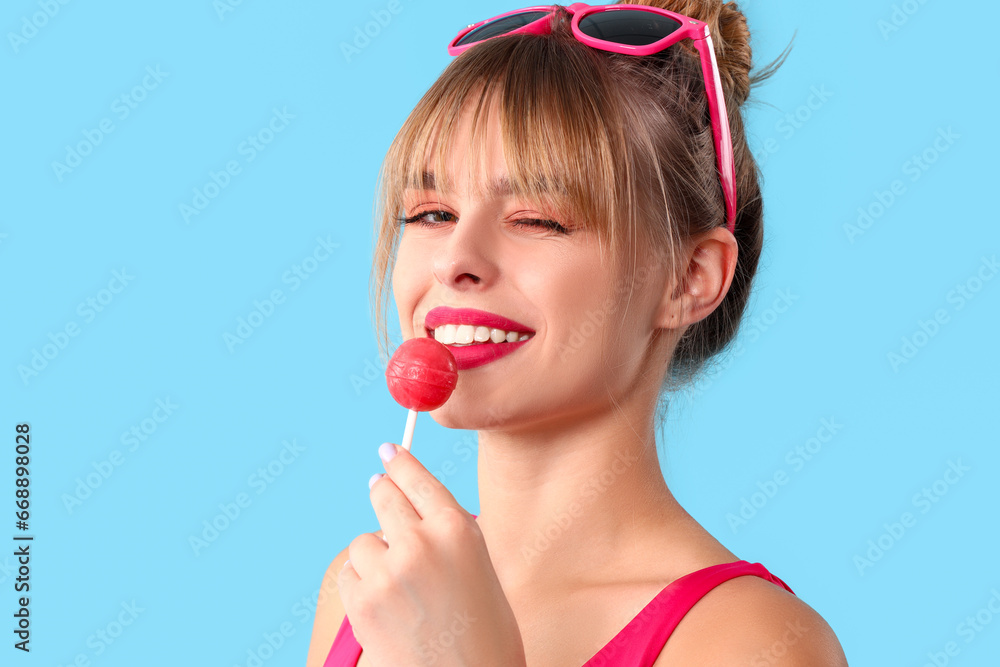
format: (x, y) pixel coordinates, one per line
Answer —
(387, 451)
(374, 478)
(346, 563)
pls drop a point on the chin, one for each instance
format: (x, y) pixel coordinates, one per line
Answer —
(449, 417)
(455, 414)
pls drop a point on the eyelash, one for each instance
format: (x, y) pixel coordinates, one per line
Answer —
(551, 225)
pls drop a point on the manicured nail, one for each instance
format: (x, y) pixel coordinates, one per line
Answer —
(374, 478)
(387, 451)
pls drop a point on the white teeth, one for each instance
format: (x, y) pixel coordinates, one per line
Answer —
(470, 334)
(445, 334)
(465, 334)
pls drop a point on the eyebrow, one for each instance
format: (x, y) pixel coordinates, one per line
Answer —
(497, 188)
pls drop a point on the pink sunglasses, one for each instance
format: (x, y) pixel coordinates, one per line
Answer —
(636, 30)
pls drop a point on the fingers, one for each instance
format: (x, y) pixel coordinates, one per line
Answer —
(395, 513)
(422, 490)
(365, 554)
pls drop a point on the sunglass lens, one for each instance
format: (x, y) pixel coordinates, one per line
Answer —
(499, 27)
(628, 26)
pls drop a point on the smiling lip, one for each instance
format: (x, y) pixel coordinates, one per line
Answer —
(473, 356)
(445, 315)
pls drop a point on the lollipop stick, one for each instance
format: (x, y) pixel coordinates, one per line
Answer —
(411, 423)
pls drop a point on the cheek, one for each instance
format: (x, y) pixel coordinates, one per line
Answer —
(407, 277)
(595, 322)
(580, 323)
(576, 290)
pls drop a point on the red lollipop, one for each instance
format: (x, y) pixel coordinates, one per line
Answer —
(421, 376)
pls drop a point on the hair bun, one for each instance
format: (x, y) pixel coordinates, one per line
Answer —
(730, 35)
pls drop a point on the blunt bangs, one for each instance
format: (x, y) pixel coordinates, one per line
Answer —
(556, 106)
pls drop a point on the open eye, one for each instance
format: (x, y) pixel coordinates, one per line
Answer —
(420, 218)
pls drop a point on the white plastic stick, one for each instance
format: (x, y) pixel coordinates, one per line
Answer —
(411, 423)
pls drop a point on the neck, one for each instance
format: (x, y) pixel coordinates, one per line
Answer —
(571, 498)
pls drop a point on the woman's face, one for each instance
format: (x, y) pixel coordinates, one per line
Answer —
(470, 252)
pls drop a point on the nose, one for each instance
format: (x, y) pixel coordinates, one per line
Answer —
(467, 257)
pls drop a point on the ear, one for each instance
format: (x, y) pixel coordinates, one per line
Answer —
(709, 267)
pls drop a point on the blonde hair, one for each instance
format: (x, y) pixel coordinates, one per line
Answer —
(622, 144)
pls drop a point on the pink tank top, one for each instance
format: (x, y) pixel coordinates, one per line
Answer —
(639, 643)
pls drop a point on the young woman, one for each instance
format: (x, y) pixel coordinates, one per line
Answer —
(567, 210)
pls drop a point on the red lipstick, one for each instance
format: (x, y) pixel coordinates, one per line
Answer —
(480, 354)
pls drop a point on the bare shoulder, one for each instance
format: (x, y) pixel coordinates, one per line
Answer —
(750, 621)
(329, 612)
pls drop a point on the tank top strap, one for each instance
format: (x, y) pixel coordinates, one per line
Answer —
(640, 642)
(345, 651)
(643, 639)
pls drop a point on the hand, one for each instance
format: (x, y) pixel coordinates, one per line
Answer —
(429, 593)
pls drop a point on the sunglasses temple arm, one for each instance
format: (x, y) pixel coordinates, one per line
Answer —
(720, 125)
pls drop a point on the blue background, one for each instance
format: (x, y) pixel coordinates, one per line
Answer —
(829, 309)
